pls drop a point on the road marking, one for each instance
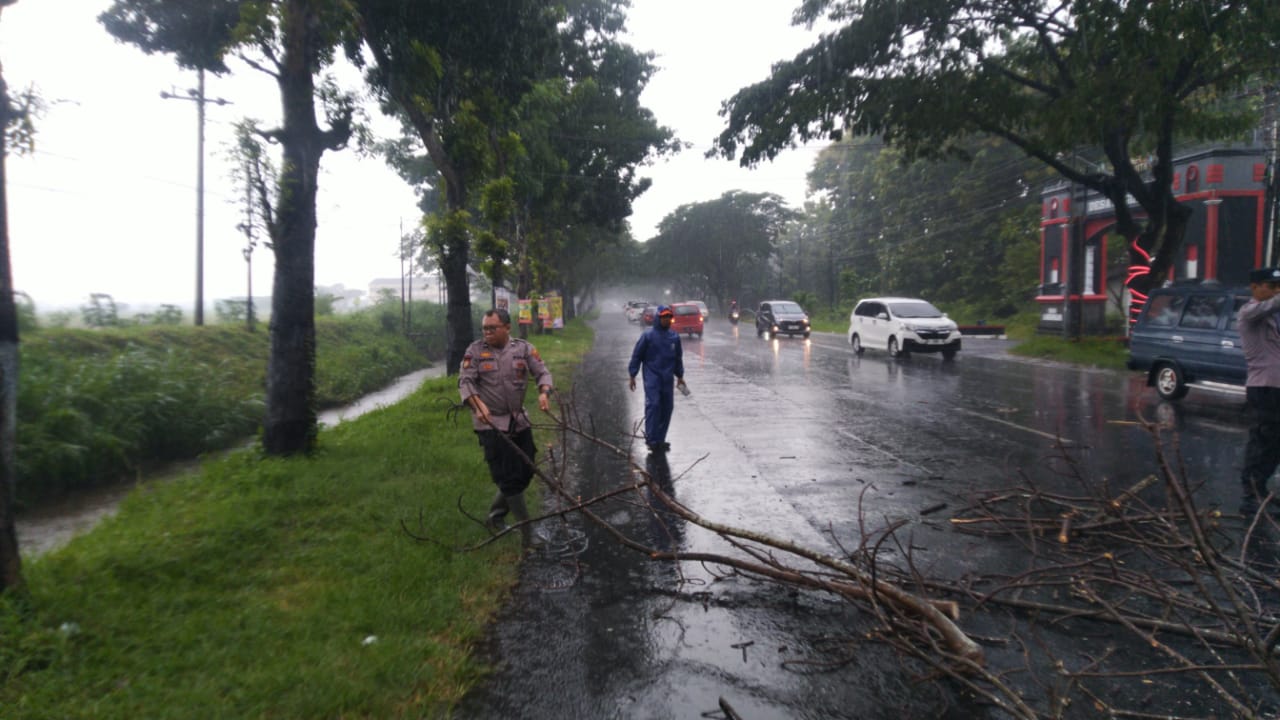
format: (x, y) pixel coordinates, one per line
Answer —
(1016, 426)
(884, 452)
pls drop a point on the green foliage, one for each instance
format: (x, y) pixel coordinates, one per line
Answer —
(807, 301)
(93, 404)
(955, 232)
(100, 311)
(26, 309)
(59, 318)
(166, 315)
(324, 304)
(1120, 80)
(231, 311)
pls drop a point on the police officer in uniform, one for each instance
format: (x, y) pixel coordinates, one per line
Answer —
(495, 371)
(1259, 326)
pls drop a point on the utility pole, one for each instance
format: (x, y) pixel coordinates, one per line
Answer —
(197, 96)
(250, 243)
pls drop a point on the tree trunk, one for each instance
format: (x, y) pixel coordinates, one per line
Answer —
(10, 559)
(458, 330)
(290, 425)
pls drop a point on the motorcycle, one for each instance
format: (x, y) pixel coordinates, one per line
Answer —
(733, 316)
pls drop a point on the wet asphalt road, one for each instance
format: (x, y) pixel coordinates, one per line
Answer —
(805, 440)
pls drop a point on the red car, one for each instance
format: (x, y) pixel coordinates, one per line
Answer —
(687, 318)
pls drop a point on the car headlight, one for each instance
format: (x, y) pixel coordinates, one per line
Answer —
(908, 327)
(805, 321)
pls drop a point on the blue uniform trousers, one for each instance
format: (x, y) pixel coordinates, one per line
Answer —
(659, 401)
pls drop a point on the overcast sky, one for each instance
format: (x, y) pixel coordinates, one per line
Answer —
(107, 203)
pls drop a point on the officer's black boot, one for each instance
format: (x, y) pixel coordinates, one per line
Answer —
(497, 511)
(520, 512)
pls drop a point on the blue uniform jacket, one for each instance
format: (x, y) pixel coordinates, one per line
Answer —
(661, 354)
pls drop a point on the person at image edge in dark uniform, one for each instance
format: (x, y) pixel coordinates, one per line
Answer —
(662, 356)
(1260, 337)
(495, 371)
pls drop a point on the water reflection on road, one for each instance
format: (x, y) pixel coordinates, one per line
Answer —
(806, 441)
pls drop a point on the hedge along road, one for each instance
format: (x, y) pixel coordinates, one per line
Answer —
(799, 440)
(49, 527)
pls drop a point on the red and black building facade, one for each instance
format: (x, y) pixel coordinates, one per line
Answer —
(1227, 235)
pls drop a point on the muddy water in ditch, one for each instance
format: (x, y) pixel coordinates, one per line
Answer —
(48, 527)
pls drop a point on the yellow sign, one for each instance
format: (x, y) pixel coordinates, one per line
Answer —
(526, 311)
(553, 311)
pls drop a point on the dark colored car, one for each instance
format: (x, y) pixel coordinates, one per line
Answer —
(1186, 337)
(781, 317)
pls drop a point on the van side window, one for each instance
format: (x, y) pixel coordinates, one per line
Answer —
(1203, 311)
(1234, 319)
(1163, 310)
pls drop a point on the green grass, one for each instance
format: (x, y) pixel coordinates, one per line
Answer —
(830, 321)
(1102, 352)
(249, 589)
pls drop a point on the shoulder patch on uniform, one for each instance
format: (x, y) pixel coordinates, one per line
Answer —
(534, 352)
(466, 362)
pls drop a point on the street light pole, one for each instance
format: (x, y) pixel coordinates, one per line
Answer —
(197, 96)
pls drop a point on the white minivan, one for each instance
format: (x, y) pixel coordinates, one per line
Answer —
(902, 326)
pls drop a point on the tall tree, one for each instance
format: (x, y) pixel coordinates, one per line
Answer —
(1126, 78)
(292, 40)
(454, 71)
(588, 129)
(10, 559)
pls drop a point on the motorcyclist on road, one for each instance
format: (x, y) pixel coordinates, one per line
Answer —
(733, 311)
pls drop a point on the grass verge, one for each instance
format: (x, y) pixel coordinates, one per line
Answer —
(279, 588)
(1103, 352)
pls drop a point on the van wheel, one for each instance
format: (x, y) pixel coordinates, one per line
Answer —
(856, 342)
(1170, 383)
(894, 350)
(806, 336)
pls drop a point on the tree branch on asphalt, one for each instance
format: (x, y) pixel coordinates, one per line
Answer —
(1182, 595)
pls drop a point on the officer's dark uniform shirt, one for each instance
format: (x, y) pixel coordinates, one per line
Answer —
(499, 376)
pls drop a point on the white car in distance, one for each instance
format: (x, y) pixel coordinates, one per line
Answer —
(901, 326)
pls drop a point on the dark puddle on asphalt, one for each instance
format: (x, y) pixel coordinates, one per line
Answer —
(51, 526)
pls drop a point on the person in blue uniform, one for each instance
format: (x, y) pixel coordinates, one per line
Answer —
(659, 353)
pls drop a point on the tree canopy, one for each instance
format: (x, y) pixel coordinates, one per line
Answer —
(531, 125)
(1125, 80)
(722, 247)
